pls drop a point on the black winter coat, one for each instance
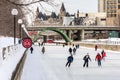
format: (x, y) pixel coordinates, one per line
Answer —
(86, 58)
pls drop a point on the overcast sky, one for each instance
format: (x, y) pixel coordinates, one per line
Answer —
(83, 5)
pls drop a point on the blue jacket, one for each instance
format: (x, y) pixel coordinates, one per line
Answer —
(70, 58)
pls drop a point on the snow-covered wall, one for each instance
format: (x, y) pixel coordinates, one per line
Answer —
(11, 57)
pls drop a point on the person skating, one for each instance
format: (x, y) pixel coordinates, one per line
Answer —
(74, 50)
(70, 50)
(69, 60)
(31, 49)
(43, 49)
(38, 43)
(63, 45)
(86, 59)
(96, 47)
(98, 58)
(103, 53)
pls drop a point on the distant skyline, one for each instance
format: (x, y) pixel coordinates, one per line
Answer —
(82, 5)
(72, 6)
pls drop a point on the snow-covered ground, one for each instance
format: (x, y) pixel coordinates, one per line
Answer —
(5, 42)
(51, 65)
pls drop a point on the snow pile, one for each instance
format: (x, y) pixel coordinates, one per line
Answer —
(5, 42)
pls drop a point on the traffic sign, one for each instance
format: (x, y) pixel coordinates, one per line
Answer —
(27, 42)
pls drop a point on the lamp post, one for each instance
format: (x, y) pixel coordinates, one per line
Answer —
(23, 26)
(20, 23)
(14, 12)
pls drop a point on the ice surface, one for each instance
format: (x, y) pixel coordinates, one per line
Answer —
(51, 65)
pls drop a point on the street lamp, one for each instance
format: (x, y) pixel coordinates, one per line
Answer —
(14, 12)
(20, 23)
(23, 26)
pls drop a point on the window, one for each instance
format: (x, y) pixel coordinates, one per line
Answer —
(111, 15)
(103, 19)
(118, 6)
(108, 15)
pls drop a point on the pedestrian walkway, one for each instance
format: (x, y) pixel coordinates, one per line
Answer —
(51, 65)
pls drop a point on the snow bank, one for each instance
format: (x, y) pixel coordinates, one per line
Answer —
(12, 57)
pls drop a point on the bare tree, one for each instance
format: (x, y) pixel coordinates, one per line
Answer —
(26, 12)
(26, 9)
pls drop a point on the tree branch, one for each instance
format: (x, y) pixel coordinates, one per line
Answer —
(19, 4)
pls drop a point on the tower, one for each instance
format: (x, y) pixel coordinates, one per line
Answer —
(77, 13)
(62, 11)
(37, 12)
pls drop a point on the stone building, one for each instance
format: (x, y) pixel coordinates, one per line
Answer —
(62, 11)
(101, 5)
(51, 19)
(112, 9)
(87, 19)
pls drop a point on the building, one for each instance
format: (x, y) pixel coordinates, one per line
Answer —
(87, 19)
(112, 13)
(112, 9)
(50, 19)
(62, 13)
(101, 5)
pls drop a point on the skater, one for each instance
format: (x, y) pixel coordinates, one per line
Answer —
(69, 60)
(43, 49)
(42, 43)
(73, 45)
(63, 45)
(86, 59)
(70, 50)
(103, 53)
(74, 50)
(96, 47)
(78, 46)
(98, 58)
(31, 49)
(39, 44)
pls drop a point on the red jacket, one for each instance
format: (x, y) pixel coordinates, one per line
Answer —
(104, 54)
(98, 57)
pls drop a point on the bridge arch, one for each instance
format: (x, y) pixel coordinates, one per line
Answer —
(67, 39)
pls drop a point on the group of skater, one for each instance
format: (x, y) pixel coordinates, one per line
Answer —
(99, 57)
(72, 52)
(86, 58)
(42, 50)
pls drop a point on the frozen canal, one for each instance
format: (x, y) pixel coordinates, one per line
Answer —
(51, 65)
